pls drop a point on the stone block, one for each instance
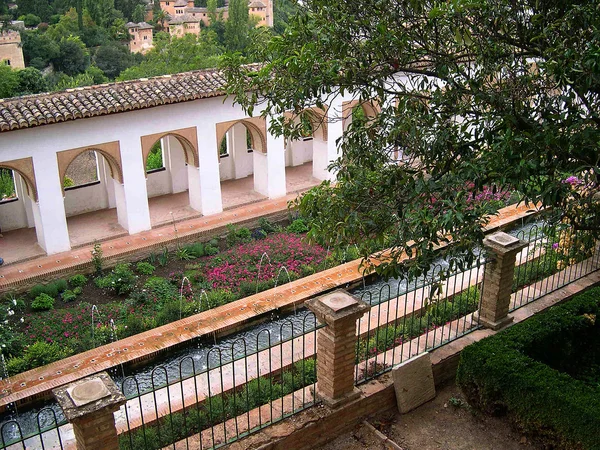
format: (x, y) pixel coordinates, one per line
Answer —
(413, 382)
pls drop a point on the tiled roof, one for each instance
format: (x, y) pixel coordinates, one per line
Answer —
(41, 109)
(186, 18)
(141, 25)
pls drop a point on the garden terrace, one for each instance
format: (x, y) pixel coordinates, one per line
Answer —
(225, 319)
(381, 322)
(140, 420)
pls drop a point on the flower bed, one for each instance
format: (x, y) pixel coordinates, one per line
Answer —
(131, 299)
(234, 268)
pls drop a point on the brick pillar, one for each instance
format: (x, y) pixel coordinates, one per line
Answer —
(498, 279)
(336, 344)
(89, 405)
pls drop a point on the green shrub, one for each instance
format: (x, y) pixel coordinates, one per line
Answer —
(59, 285)
(36, 290)
(196, 249)
(298, 226)
(266, 225)
(145, 268)
(78, 280)
(219, 408)
(160, 290)
(78, 290)
(216, 298)
(163, 258)
(51, 289)
(535, 270)
(120, 280)
(236, 235)
(42, 302)
(529, 371)
(170, 312)
(69, 296)
(211, 250)
(36, 355)
(183, 254)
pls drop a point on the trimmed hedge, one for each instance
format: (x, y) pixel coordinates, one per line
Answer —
(530, 372)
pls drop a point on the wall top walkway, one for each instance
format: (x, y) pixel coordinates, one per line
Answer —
(43, 379)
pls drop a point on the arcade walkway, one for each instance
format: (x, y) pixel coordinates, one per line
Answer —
(21, 245)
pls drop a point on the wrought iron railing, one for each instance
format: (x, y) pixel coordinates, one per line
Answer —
(433, 311)
(555, 257)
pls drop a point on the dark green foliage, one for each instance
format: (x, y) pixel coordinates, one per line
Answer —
(145, 268)
(68, 296)
(72, 57)
(120, 280)
(298, 226)
(196, 249)
(42, 302)
(411, 177)
(266, 225)
(219, 408)
(38, 47)
(436, 314)
(36, 355)
(237, 235)
(78, 280)
(50, 289)
(31, 81)
(538, 372)
(535, 270)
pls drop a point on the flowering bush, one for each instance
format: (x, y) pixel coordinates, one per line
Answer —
(239, 265)
(121, 280)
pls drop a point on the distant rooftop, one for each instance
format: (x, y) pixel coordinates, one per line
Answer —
(141, 25)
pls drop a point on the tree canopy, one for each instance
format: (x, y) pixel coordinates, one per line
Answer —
(475, 97)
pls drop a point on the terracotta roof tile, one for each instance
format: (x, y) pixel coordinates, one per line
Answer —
(41, 109)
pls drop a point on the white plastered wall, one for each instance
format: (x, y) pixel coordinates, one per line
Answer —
(131, 197)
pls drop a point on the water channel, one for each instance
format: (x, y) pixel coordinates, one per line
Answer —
(200, 355)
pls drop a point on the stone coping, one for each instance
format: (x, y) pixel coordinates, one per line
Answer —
(37, 383)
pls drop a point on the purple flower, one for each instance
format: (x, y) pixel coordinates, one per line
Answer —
(572, 180)
(555, 245)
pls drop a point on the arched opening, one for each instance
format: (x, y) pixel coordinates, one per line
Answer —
(171, 166)
(358, 111)
(91, 182)
(240, 145)
(17, 222)
(306, 157)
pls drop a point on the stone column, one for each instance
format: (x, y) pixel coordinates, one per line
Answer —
(335, 132)
(336, 345)
(275, 165)
(498, 279)
(204, 182)
(132, 196)
(89, 405)
(49, 211)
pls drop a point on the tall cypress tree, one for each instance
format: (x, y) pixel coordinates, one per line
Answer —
(237, 26)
